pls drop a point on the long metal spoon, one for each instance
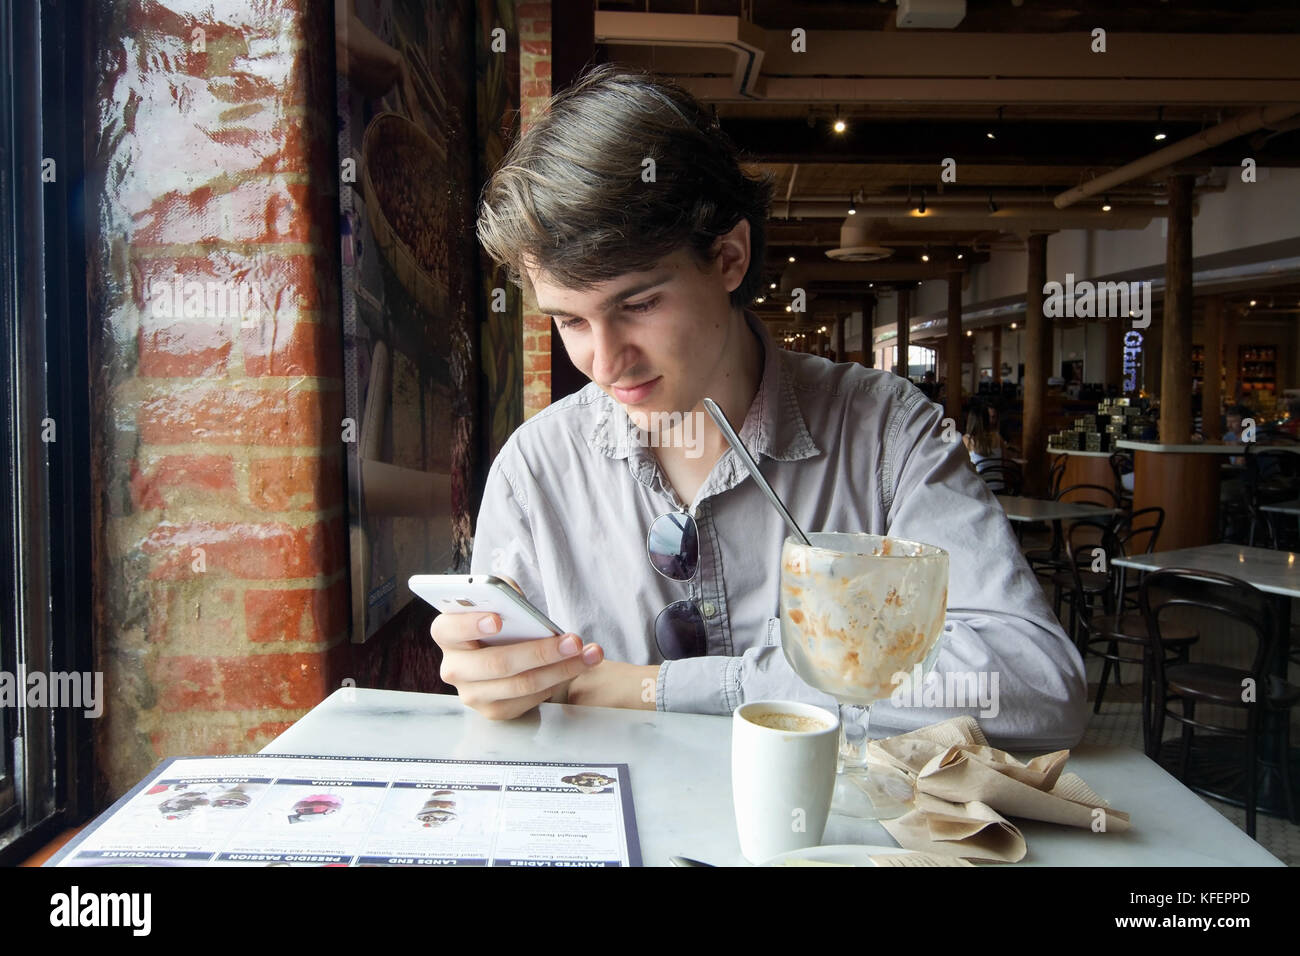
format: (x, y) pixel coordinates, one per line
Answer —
(720, 419)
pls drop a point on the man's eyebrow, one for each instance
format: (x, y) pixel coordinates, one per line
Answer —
(627, 293)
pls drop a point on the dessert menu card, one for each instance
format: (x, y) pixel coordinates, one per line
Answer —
(278, 810)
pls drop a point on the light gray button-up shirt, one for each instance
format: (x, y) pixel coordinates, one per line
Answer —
(570, 497)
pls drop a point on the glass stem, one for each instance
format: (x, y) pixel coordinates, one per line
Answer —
(853, 737)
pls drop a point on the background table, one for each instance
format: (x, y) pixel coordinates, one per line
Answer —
(680, 766)
(1047, 509)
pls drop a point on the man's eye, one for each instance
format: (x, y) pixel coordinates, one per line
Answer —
(645, 306)
(570, 323)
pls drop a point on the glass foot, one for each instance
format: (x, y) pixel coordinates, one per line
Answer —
(882, 793)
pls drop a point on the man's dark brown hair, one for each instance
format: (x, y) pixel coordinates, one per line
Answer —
(570, 197)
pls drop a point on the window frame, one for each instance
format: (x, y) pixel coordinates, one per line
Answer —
(45, 532)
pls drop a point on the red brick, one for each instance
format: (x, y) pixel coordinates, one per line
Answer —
(536, 322)
(207, 474)
(237, 415)
(279, 282)
(176, 613)
(536, 88)
(531, 11)
(262, 734)
(537, 361)
(273, 680)
(254, 682)
(257, 210)
(541, 68)
(186, 683)
(290, 348)
(184, 349)
(537, 47)
(299, 614)
(297, 482)
(529, 378)
(264, 552)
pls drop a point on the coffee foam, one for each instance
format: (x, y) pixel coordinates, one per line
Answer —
(790, 723)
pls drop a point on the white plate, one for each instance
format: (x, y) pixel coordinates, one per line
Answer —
(846, 854)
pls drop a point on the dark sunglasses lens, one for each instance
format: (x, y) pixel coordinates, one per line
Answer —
(674, 546)
(680, 631)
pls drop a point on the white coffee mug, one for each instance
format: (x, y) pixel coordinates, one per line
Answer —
(782, 780)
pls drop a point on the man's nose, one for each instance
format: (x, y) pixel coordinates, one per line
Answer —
(611, 355)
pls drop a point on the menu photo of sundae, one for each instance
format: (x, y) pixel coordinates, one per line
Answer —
(589, 781)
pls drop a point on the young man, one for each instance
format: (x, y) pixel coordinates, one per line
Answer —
(621, 511)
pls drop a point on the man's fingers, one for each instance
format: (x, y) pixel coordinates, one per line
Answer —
(539, 680)
(510, 660)
(462, 631)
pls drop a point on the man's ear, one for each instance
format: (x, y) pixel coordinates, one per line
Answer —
(733, 254)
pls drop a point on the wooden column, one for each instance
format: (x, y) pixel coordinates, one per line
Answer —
(1176, 334)
(954, 348)
(1211, 388)
(904, 327)
(1037, 355)
(1230, 354)
(997, 355)
(868, 330)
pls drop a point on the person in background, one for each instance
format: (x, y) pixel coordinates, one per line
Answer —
(982, 440)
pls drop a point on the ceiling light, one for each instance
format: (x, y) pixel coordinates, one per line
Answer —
(772, 286)
(1160, 118)
(792, 258)
(1013, 325)
(960, 255)
(1252, 303)
(925, 257)
(839, 125)
(788, 309)
(921, 208)
(853, 207)
(969, 333)
(759, 300)
(1105, 204)
(993, 207)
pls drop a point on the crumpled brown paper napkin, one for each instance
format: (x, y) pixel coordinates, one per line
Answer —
(964, 786)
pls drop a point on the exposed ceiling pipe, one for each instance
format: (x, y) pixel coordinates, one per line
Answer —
(741, 37)
(1231, 129)
(939, 212)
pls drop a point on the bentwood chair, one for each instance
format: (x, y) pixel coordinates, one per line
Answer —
(1264, 697)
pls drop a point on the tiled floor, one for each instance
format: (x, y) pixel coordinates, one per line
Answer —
(1119, 724)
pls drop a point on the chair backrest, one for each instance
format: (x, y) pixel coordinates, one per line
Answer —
(1089, 494)
(1121, 464)
(1055, 475)
(1002, 476)
(1219, 594)
(1082, 541)
(1142, 531)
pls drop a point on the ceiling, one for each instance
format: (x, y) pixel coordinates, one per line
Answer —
(1015, 95)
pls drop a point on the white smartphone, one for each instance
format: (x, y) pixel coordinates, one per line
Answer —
(485, 593)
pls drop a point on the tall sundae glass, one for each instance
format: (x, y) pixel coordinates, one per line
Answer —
(856, 610)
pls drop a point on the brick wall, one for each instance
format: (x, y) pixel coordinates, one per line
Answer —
(220, 552)
(534, 21)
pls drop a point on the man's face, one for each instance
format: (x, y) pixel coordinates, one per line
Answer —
(652, 340)
(1234, 422)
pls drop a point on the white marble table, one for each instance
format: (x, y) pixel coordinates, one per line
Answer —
(1046, 509)
(1277, 572)
(680, 766)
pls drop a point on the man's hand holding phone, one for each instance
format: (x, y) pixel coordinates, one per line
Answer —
(503, 681)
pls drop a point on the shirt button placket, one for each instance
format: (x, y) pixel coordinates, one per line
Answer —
(712, 600)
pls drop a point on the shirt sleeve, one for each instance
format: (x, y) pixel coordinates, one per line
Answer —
(1001, 643)
(718, 685)
(503, 539)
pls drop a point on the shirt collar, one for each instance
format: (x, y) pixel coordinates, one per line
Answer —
(774, 425)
